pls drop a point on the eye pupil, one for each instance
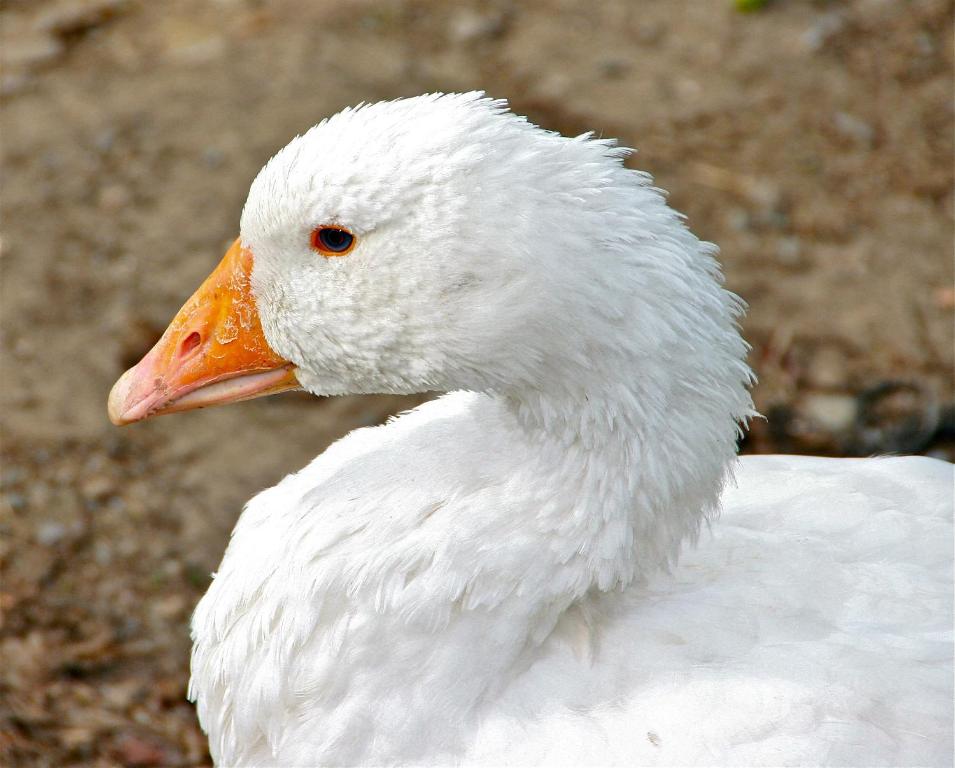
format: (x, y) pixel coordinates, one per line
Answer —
(332, 239)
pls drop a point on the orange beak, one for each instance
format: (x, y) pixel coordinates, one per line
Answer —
(213, 352)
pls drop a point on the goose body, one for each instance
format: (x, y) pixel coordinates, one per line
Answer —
(810, 626)
(492, 578)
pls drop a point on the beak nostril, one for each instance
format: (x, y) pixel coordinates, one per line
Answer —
(189, 343)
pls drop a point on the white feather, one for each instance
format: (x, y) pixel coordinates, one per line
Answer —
(479, 581)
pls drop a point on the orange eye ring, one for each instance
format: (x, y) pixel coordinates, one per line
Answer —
(331, 241)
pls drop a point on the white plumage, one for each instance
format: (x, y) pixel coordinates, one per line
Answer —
(479, 581)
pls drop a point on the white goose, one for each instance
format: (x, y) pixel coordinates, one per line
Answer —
(479, 581)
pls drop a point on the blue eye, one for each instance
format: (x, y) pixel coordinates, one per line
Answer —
(332, 241)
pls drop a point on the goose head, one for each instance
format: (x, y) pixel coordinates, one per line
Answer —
(439, 243)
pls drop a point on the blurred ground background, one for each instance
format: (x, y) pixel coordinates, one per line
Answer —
(811, 140)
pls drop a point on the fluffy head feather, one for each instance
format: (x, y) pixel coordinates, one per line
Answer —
(491, 255)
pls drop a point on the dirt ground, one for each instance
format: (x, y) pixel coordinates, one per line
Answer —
(811, 140)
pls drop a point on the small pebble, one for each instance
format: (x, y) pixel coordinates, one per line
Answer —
(613, 68)
(824, 28)
(739, 220)
(213, 157)
(827, 369)
(113, 198)
(469, 25)
(854, 128)
(105, 140)
(835, 413)
(103, 553)
(16, 500)
(119, 696)
(128, 547)
(170, 607)
(789, 251)
(76, 738)
(50, 534)
(97, 486)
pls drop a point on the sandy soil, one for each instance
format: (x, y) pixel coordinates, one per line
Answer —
(811, 140)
